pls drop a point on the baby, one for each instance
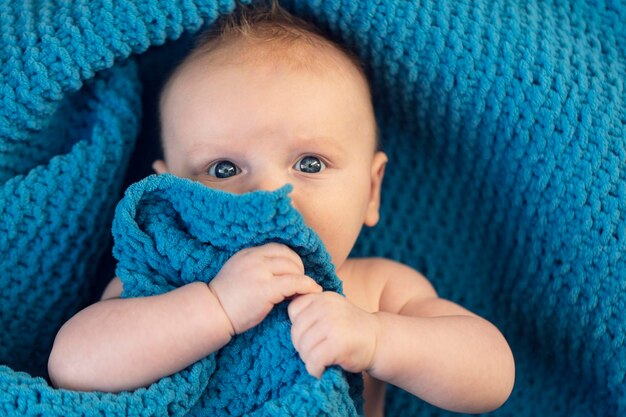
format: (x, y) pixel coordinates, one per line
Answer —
(266, 102)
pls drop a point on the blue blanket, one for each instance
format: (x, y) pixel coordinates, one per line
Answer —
(505, 123)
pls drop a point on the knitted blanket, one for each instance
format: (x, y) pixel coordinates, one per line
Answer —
(505, 123)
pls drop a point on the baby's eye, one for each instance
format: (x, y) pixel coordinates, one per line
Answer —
(309, 164)
(223, 169)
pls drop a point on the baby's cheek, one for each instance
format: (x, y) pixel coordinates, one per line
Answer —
(338, 237)
(337, 216)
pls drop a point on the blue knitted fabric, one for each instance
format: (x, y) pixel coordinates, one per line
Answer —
(170, 232)
(505, 126)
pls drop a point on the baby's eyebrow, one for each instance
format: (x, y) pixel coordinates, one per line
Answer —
(199, 156)
(324, 141)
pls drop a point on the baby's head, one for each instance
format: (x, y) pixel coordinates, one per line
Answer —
(270, 101)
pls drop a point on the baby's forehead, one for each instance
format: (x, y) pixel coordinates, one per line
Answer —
(298, 55)
(319, 57)
(321, 60)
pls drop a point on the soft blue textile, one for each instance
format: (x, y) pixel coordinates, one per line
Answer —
(505, 126)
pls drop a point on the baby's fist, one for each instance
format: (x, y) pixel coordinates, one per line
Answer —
(255, 279)
(329, 330)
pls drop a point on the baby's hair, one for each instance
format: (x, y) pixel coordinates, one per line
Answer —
(266, 22)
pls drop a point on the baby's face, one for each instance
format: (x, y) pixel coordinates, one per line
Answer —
(244, 127)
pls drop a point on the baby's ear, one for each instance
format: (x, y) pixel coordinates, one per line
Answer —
(159, 166)
(378, 172)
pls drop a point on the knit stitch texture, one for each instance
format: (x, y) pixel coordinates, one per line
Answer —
(505, 125)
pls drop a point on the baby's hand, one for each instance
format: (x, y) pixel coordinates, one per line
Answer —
(329, 330)
(255, 279)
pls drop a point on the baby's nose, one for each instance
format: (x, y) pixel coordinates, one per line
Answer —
(269, 183)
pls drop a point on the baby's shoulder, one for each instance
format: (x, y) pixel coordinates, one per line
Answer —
(380, 270)
(383, 284)
(113, 289)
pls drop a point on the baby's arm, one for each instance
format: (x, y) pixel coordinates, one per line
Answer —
(429, 346)
(438, 350)
(123, 344)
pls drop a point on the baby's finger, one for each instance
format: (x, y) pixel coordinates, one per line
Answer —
(308, 339)
(315, 370)
(293, 284)
(283, 266)
(278, 250)
(318, 358)
(303, 316)
(297, 306)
